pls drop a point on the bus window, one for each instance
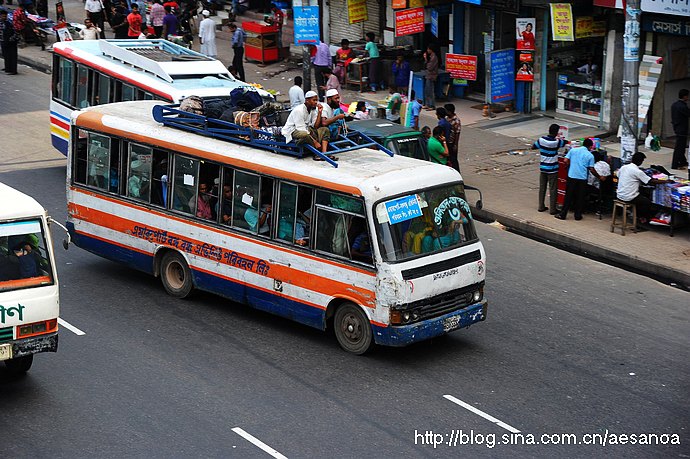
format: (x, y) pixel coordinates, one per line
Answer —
(225, 208)
(82, 100)
(139, 172)
(127, 93)
(246, 201)
(98, 161)
(149, 96)
(64, 82)
(207, 191)
(80, 147)
(339, 201)
(331, 232)
(23, 255)
(184, 184)
(101, 89)
(159, 181)
(294, 213)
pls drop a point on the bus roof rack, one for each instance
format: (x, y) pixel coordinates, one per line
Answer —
(171, 116)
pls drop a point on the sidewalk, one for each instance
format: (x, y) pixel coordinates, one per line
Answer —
(495, 157)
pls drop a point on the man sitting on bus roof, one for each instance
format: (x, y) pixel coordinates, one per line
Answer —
(304, 124)
(333, 115)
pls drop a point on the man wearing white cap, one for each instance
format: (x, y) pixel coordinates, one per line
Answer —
(304, 124)
(207, 35)
(333, 115)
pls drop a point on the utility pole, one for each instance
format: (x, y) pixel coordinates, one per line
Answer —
(631, 77)
(306, 69)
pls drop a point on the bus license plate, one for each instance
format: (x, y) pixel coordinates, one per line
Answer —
(5, 351)
(451, 323)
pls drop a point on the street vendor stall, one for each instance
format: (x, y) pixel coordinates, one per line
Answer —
(674, 197)
(262, 42)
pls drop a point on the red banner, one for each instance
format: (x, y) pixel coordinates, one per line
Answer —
(399, 4)
(408, 22)
(461, 66)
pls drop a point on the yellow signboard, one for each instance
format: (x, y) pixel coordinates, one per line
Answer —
(417, 3)
(357, 11)
(583, 26)
(562, 22)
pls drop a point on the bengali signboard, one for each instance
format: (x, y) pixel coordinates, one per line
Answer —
(461, 66)
(408, 22)
(674, 7)
(583, 26)
(306, 23)
(665, 24)
(357, 11)
(562, 22)
(502, 80)
(399, 4)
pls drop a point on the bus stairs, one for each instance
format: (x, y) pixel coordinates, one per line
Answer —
(170, 115)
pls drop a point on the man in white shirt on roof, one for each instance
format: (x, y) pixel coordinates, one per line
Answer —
(304, 124)
(296, 93)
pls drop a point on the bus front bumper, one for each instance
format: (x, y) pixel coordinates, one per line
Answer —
(402, 335)
(34, 345)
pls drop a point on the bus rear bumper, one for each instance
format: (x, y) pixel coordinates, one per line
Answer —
(402, 335)
(47, 343)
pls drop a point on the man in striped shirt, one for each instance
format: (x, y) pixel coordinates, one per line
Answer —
(548, 146)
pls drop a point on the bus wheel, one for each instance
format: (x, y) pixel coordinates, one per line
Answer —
(352, 329)
(176, 275)
(19, 365)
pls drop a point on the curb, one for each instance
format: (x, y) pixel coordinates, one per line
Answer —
(567, 242)
(35, 64)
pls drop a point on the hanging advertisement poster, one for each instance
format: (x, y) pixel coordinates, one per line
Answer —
(562, 22)
(631, 36)
(60, 12)
(583, 26)
(399, 4)
(63, 32)
(525, 67)
(461, 66)
(408, 22)
(306, 23)
(502, 79)
(357, 11)
(525, 33)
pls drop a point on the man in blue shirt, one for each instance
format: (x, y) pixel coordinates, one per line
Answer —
(415, 109)
(578, 161)
(238, 39)
(441, 115)
(548, 146)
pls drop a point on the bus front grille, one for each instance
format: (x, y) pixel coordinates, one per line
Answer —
(444, 303)
(5, 334)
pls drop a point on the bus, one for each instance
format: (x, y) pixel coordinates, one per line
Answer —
(94, 72)
(382, 250)
(29, 302)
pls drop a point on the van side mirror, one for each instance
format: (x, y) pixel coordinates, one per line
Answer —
(65, 242)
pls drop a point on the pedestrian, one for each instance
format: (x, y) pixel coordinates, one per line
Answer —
(321, 60)
(372, 50)
(157, 14)
(441, 115)
(415, 109)
(277, 19)
(426, 135)
(437, 146)
(238, 39)
(90, 32)
(233, 72)
(630, 177)
(680, 114)
(454, 138)
(96, 12)
(8, 43)
(548, 146)
(170, 23)
(207, 36)
(394, 104)
(118, 22)
(304, 124)
(332, 81)
(296, 93)
(20, 22)
(342, 59)
(431, 65)
(401, 74)
(134, 22)
(578, 161)
(361, 111)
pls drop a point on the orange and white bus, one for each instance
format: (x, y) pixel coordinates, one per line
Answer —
(382, 249)
(94, 72)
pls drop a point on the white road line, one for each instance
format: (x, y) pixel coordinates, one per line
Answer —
(70, 327)
(481, 413)
(252, 439)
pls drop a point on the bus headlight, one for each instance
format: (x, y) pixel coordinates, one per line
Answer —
(477, 296)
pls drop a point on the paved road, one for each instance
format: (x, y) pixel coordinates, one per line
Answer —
(570, 346)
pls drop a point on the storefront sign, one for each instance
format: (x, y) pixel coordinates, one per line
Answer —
(525, 33)
(434, 22)
(525, 66)
(650, 71)
(461, 66)
(676, 7)
(583, 26)
(620, 4)
(665, 24)
(502, 80)
(631, 36)
(562, 22)
(598, 29)
(357, 11)
(399, 4)
(408, 22)
(306, 23)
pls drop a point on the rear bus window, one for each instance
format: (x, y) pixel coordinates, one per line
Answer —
(24, 257)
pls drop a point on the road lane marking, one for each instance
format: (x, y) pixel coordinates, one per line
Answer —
(252, 439)
(467, 406)
(70, 327)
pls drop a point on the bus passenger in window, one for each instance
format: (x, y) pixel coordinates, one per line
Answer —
(361, 248)
(203, 203)
(259, 219)
(28, 266)
(226, 208)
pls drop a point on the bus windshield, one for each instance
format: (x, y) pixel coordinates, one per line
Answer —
(24, 260)
(423, 223)
(410, 147)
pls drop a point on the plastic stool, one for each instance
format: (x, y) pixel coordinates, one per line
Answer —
(624, 224)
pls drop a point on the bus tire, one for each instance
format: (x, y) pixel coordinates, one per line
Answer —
(19, 365)
(176, 275)
(352, 329)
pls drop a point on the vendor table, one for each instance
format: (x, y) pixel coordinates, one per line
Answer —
(357, 74)
(674, 196)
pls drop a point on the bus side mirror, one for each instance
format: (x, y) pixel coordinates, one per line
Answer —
(65, 242)
(479, 205)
